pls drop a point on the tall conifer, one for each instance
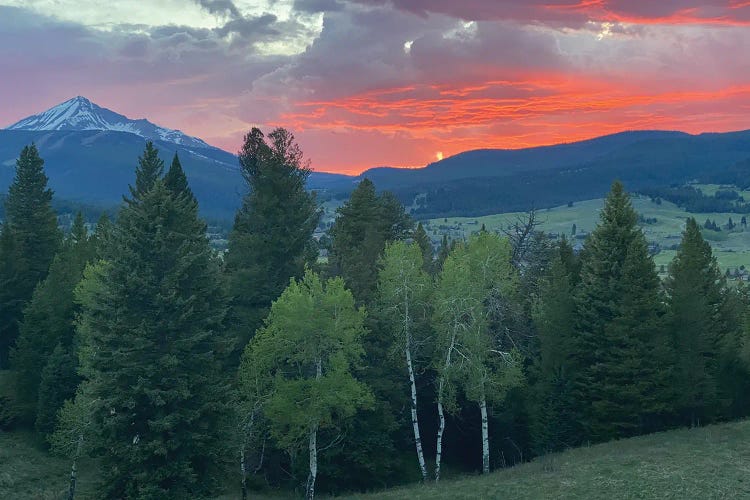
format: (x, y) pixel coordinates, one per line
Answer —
(363, 226)
(151, 330)
(32, 224)
(696, 297)
(617, 326)
(271, 240)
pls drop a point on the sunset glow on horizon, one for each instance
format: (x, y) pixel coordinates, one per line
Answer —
(403, 83)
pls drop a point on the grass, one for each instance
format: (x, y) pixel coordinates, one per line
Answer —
(29, 472)
(710, 462)
(732, 248)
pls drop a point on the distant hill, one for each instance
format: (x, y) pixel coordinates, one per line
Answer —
(91, 152)
(493, 181)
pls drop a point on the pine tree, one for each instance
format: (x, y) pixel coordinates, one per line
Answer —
(152, 347)
(618, 284)
(696, 298)
(554, 425)
(304, 358)
(175, 179)
(57, 384)
(11, 304)
(425, 245)
(363, 226)
(49, 322)
(271, 241)
(149, 170)
(32, 225)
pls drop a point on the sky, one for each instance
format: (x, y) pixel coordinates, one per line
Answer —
(364, 83)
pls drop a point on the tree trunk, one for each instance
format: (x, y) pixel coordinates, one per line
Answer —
(243, 471)
(414, 418)
(74, 469)
(313, 446)
(441, 414)
(485, 438)
(313, 463)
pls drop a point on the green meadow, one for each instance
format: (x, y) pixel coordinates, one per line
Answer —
(732, 248)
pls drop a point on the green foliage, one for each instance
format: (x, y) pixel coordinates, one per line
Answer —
(30, 241)
(152, 347)
(617, 350)
(425, 245)
(149, 170)
(271, 241)
(363, 226)
(49, 322)
(697, 320)
(404, 296)
(477, 279)
(310, 344)
(554, 422)
(58, 383)
(176, 181)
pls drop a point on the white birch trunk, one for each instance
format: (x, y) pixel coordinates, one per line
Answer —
(313, 463)
(441, 414)
(485, 438)
(74, 469)
(313, 445)
(243, 471)
(414, 418)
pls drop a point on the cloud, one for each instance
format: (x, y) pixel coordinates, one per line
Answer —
(489, 73)
(574, 13)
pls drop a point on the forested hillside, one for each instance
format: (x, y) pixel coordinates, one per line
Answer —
(180, 371)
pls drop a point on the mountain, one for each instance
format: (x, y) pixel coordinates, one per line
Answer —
(90, 155)
(483, 182)
(81, 114)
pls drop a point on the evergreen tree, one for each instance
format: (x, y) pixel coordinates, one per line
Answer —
(272, 236)
(304, 358)
(149, 170)
(697, 322)
(363, 226)
(425, 245)
(49, 322)
(613, 355)
(11, 304)
(175, 179)
(32, 224)
(554, 426)
(443, 252)
(58, 382)
(152, 347)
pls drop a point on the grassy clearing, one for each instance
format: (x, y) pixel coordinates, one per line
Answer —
(27, 471)
(732, 249)
(711, 462)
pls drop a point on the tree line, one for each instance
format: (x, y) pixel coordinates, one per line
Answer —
(177, 365)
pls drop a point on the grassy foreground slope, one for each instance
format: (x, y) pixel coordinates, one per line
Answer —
(710, 462)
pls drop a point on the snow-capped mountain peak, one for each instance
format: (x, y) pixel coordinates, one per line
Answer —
(80, 113)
